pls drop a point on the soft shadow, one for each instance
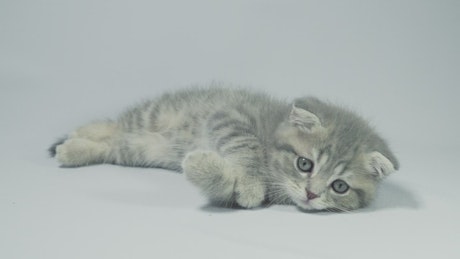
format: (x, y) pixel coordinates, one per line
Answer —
(215, 207)
(393, 195)
(219, 209)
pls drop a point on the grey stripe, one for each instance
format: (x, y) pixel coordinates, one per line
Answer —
(322, 152)
(219, 116)
(139, 119)
(226, 139)
(344, 169)
(248, 115)
(153, 117)
(246, 144)
(286, 147)
(228, 123)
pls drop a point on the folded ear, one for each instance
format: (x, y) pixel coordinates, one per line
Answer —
(379, 165)
(304, 119)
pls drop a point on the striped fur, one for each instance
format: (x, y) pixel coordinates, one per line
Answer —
(240, 147)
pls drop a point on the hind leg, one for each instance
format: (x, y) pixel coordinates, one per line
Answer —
(90, 144)
(147, 149)
(106, 142)
(80, 152)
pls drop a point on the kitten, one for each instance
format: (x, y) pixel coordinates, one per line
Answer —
(243, 147)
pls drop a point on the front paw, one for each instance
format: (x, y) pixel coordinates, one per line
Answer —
(203, 167)
(250, 193)
(200, 163)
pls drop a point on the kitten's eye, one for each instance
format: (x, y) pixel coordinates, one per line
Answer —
(340, 186)
(305, 164)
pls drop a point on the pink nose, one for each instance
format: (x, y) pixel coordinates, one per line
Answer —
(311, 195)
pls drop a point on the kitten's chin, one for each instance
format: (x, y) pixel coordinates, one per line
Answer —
(309, 205)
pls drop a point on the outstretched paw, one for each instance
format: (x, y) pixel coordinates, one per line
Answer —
(78, 152)
(222, 181)
(210, 172)
(198, 165)
(249, 192)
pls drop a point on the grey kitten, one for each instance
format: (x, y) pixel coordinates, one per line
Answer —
(243, 147)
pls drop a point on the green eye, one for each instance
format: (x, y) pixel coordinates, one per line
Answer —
(340, 186)
(305, 165)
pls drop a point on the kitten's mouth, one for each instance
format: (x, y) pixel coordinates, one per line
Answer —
(306, 204)
(309, 204)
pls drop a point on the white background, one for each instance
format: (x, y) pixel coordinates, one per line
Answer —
(65, 63)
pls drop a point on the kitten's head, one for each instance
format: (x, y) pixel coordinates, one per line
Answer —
(327, 158)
